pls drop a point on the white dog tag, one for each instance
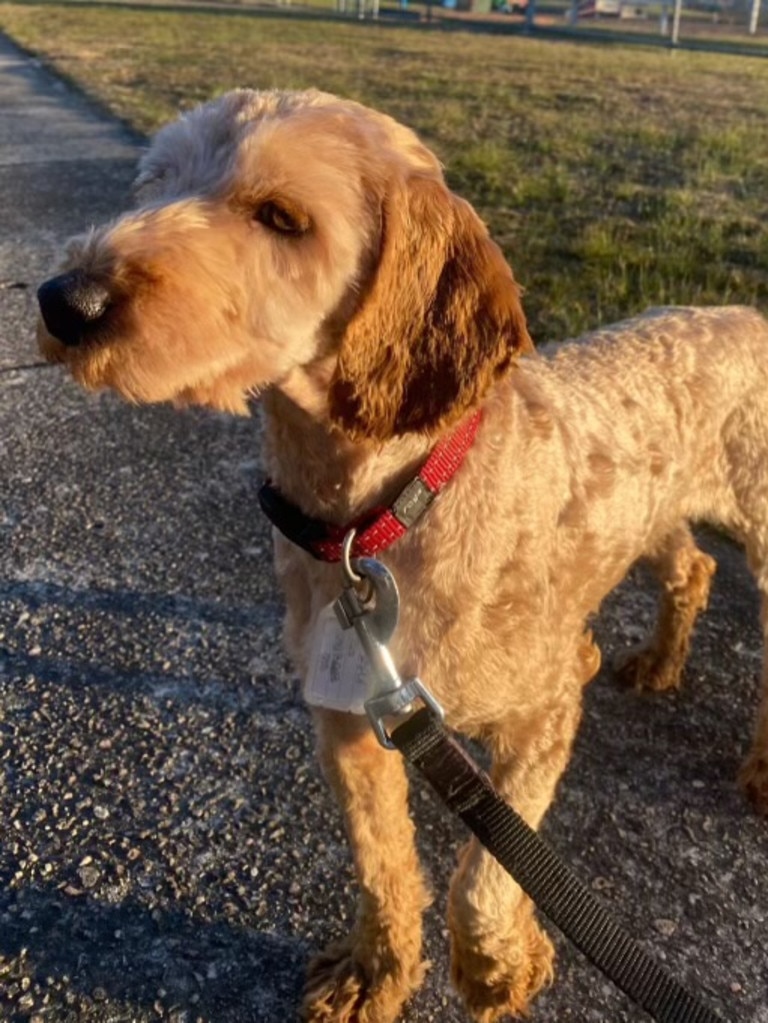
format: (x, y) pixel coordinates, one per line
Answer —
(339, 671)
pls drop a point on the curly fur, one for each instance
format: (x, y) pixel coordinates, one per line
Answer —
(369, 330)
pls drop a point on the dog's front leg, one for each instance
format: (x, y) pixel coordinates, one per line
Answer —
(366, 977)
(500, 956)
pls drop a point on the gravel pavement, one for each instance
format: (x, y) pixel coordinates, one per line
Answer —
(167, 850)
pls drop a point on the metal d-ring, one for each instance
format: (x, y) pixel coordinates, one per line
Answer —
(351, 578)
(358, 582)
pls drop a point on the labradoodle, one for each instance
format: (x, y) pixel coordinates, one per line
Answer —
(306, 249)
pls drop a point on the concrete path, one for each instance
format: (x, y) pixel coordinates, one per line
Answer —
(167, 850)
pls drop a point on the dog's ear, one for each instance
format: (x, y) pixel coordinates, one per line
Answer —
(440, 321)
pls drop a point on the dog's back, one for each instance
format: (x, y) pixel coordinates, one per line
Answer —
(677, 400)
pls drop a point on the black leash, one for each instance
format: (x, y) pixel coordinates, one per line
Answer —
(468, 792)
(541, 874)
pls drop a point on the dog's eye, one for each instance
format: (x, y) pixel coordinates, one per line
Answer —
(278, 218)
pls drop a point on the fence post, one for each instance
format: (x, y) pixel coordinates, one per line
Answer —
(676, 22)
(753, 16)
(530, 12)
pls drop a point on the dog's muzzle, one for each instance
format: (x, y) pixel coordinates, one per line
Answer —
(71, 305)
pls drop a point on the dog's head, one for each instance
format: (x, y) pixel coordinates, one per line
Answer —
(284, 234)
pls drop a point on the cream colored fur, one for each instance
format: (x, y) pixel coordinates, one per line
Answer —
(370, 331)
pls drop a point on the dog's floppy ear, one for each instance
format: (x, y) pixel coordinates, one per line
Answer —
(441, 319)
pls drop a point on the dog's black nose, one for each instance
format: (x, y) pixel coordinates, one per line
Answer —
(70, 304)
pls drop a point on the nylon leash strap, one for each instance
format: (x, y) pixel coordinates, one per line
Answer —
(554, 889)
(467, 791)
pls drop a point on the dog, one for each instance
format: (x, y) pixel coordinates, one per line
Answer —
(305, 249)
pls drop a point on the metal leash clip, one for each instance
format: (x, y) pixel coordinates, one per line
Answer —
(370, 603)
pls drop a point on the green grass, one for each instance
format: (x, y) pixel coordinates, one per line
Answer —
(614, 178)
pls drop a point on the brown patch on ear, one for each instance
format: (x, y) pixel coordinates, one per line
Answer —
(440, 322)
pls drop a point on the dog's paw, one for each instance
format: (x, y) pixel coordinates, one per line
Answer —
(340, 988)
(753, 778)
(643, 668)
(493, 987)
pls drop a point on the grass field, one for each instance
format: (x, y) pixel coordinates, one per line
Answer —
(613, 178)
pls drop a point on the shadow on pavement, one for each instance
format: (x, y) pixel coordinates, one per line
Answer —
(148, 959)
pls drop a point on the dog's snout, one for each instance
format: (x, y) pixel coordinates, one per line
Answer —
(72, 303)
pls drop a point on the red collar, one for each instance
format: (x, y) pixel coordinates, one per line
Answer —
(378, 529)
